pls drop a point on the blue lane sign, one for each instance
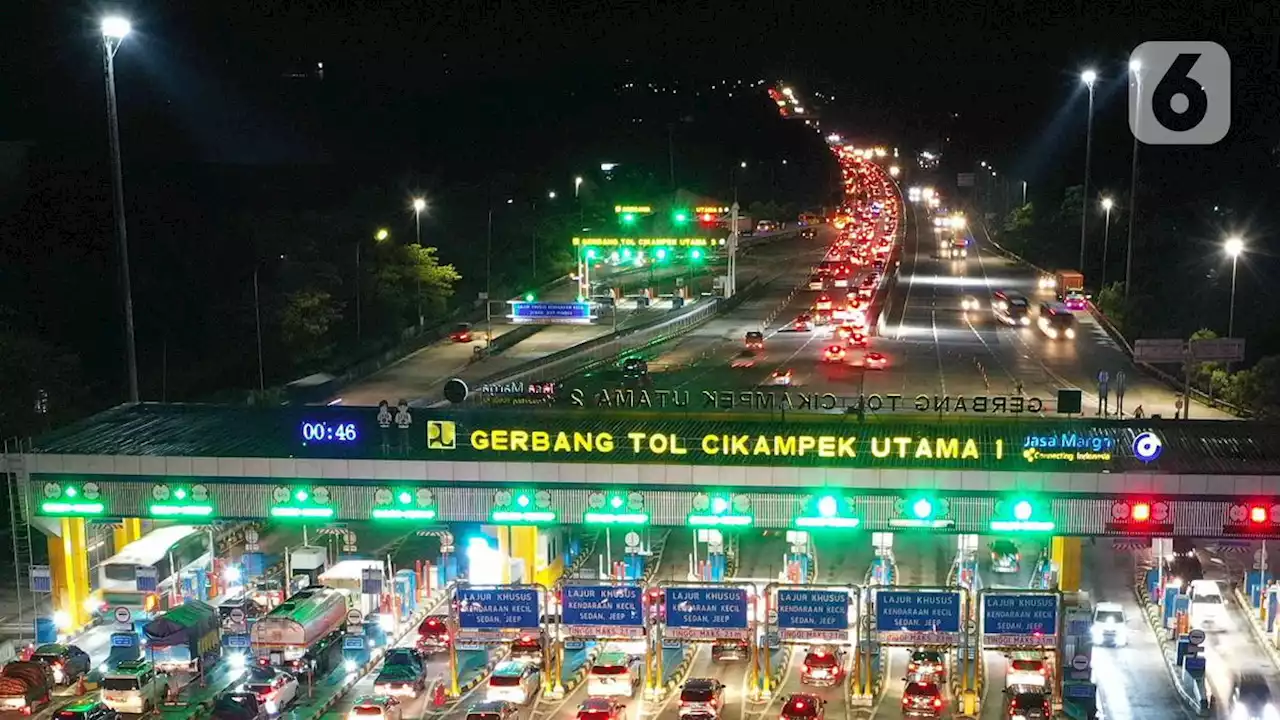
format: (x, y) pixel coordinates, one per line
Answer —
(371, 581)
(562, 311)
(603, 610)
(146, 579)
(813, 615)
(127, 640)
(497, 610)
(41, 579)
(353, 642)
(236, 641)
(707, 613)
(1019, 620)
(917, 617)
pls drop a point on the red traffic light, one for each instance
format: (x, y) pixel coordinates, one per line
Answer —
(1258, 514)
(708, 217)
(1141, 512)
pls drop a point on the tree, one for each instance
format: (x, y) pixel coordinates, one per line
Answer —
(1202, 373)
(1258, 389)
(1112, 303)
(404, 279)
(1019, 224)
(307, 320)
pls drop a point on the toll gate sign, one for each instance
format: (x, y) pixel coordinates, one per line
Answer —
(1019, 620)
(495, 613)
(603, 611)
(707, 613)
(813, 615)
(918, 617)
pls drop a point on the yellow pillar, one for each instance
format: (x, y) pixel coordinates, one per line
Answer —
(504, 547)
(134, 527)
(1065, 553)
(69, 566)
(524, 546)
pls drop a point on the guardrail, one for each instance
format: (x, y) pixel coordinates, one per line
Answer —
(1191, 691)
(1255, 627)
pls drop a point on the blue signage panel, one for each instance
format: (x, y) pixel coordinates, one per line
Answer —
(602, 610)
(497, 610)
(129, 640)
(917, 617)
(813, 615)
(1016, 620)
(236, 640)
(706, 613)
(551, 311)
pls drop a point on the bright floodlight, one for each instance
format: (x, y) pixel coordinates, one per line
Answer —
(1088, 76)
(115, 27)
(419, 204)
(1234, 246)
(1107, 203)
(1135, 65)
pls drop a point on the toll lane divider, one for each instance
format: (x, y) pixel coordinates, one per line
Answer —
(580, 673)
(1190, 690)
(1256, 627)
(375, 658)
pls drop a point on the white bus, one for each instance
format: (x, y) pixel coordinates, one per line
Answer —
(171, 550)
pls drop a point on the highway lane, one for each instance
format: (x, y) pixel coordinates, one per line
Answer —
(839, 560)
(923, 560)
(1232, 649)
(996, 662)
(1132, 681)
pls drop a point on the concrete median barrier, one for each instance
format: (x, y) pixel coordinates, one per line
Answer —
(1191, 691)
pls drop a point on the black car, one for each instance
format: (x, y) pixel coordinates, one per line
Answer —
(1028, 701)
(238, 706)
(68, 662)
(635, 370)
(1182, 570)
(86, 710)
(1250, 698)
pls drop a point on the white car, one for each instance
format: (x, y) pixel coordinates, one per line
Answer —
(376, 707)
(1207, 604)
(614, 675)
(970, 303)
(134, 687)
(1026, 671)
(514, 681)
(780, 377)
(275, 691)
(1109, 625)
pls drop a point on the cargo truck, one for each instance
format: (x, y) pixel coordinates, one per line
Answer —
(1070, 288)
(302, 635)
(24, 686)
(187, 638)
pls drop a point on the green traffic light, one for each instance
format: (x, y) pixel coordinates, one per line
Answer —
(1022, 511)
(301, 495)
(616, 501)
(405, 498)
(628, 219)
(828, 506)
(922, 508)
(695, 254)
(591, 253)
(661, 254)
(681, 217)
(528, 297)
(719, 505)
(523, 500)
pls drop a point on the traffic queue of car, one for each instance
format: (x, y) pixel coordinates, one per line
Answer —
(852, 274)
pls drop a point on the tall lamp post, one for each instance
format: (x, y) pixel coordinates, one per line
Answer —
(1089, 77)
(1135, 71)
(419, 204)
(114, 30)
(1107, 204)
(1233, 247)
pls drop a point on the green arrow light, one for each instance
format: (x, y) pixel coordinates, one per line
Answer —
(922, 508)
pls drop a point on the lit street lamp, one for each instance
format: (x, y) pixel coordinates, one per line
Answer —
(1107, 204)
(1089, 77)
(419, 204)
(551, 194)
(1135, 70)
(114, 30)
(1233, 247)
(577, 183)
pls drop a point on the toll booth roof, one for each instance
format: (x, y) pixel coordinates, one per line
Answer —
(1206, 447)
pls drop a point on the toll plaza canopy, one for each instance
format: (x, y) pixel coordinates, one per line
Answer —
(550, 465)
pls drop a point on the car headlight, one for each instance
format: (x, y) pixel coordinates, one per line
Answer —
(1270, 712)
(1026, 320)
(1071, 334)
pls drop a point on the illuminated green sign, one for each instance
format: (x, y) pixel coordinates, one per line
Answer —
(180, 502)
(720, 511)
(301, 504)
(615, 509)
(1020, 515)
(404, 504)
(71, 500)
(922, 512)
(522, 508)
(827, 511)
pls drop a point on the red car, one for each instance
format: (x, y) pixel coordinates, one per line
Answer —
(921, 700)
(876, 361)
(804, 706)
(461, 334)
(804, 323)
(599, 708)
(857, 339)
(833, 354)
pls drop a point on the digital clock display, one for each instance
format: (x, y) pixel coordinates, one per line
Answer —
(329, 432)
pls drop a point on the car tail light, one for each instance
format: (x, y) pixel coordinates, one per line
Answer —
(937, 702)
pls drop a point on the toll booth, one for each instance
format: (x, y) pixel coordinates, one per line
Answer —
(406, 585)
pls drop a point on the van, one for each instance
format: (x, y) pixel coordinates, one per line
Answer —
(514, 681)
(134, 687)
(1207, 604)
(615, 674)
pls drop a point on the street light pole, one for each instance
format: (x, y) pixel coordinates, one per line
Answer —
(257, 325)
(1024, 192)
(1107, 204)
(114, 30)
(488, 282)
(419, 204)
(1234, 246)
(1135, 68)
(1089, 77)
